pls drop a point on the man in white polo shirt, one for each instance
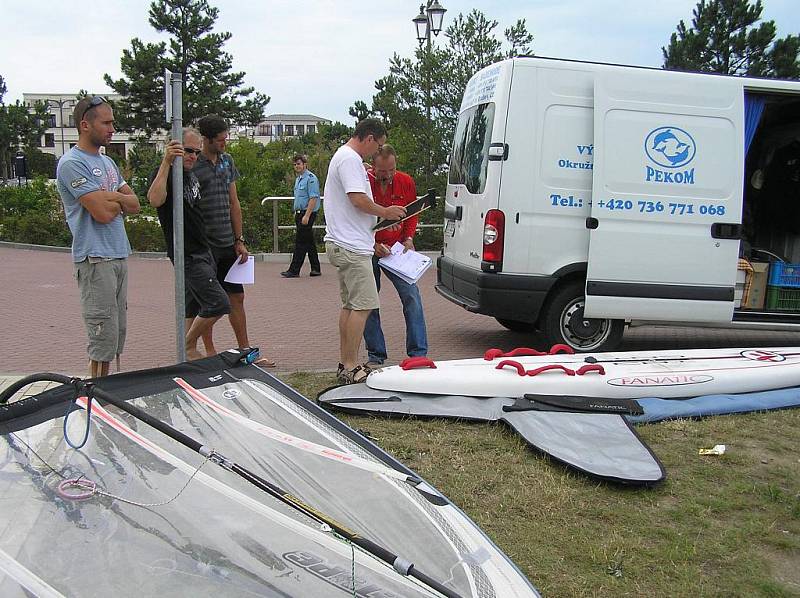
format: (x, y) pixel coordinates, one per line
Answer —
(350, 214)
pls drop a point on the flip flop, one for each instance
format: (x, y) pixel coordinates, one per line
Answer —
(265, 362)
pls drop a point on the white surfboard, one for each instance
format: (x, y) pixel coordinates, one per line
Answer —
(631, 375)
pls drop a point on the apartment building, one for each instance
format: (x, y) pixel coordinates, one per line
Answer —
(61, 134)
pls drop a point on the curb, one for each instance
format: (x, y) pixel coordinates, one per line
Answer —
(282, 258)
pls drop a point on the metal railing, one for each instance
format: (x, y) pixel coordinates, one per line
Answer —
(276, 227)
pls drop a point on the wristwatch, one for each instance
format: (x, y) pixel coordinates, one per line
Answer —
(240, 239)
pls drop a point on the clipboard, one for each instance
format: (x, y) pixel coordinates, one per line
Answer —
(416, 207)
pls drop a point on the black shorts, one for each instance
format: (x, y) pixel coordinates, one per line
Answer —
(204, 295)
(225, 257)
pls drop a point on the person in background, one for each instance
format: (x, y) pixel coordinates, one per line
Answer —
(96, 199)
(306, 206)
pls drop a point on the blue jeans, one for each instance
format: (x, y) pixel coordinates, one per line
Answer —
(416, 332)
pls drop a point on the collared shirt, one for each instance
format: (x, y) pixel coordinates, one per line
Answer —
(306, 186)
(215, 181)
(400, 192)
(79, 173)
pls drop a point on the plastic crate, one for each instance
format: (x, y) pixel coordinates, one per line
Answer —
(783, 298)
(783, 274)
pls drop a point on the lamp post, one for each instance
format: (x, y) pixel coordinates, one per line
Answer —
(427, 22)
(60, 103)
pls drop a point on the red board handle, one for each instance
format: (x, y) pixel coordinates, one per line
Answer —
(561, 349)
(593, 367)
(514, 364)
(552, 366)
(518, 352)
(412, 363)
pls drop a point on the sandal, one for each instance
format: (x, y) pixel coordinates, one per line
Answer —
(265, 362)
(355, 376)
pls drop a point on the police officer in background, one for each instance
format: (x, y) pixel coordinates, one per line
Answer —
(306, 206)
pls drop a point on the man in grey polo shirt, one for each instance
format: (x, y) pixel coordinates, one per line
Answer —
(222, 214)
(95, 199)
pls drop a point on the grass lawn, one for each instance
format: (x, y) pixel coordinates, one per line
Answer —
(718, 526)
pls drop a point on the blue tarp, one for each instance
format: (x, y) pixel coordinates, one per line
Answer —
(660, 409)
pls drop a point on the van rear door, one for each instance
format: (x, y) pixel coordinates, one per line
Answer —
(666, 196)
(476, 163)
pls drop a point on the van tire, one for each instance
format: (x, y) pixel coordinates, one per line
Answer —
(516, 325)
(562, 322)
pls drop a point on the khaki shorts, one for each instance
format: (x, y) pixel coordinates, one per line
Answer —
(356, 278)
(104, 304)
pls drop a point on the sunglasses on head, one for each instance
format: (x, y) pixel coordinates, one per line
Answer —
(93, 103)
(191, 150)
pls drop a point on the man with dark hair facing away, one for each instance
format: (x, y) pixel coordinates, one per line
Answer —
(205, 300)
(222, 214)
(95, 198)
(306, 206)
(350, 214)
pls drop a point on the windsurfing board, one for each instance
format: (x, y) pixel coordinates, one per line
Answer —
(664, 374)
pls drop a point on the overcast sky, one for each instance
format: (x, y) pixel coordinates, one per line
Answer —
(319, 56)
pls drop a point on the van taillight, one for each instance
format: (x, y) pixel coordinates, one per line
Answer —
(494, 227)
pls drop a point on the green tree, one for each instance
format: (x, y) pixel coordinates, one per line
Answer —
(195, 51)
(435, 79)
(20, 128)
(726, 37)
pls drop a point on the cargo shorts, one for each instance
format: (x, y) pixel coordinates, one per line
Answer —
(103, 286)
(356, 278)
(204, 295)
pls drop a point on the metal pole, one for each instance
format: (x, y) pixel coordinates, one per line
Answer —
(428, 106)
(176, 89)
(274, 226)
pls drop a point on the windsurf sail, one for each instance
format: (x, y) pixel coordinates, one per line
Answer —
(136, 512)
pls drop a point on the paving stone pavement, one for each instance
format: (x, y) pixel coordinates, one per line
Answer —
(294, 321)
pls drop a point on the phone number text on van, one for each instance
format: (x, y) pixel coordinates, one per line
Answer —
(659, 207)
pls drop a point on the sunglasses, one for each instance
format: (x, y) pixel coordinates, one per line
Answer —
(94, 103)
(191, 150)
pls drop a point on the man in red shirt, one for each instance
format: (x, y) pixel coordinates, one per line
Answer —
(392, 187)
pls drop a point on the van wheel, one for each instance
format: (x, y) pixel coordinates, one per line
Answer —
(516, 325)
(562, 321)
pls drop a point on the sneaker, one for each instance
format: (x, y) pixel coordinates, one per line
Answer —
(316, 273)
(289, 274)
(355, 376)
(373, 365)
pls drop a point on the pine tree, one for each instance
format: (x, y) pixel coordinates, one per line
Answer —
(194, 51)
(726, 37)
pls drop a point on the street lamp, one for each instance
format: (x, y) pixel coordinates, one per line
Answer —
(427, 22)
(60, 103)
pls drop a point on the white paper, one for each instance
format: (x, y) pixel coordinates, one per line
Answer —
(242, 273)
(409, 266)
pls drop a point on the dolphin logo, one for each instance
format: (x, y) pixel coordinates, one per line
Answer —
(670, 147)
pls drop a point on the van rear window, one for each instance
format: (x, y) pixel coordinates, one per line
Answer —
(471, 147)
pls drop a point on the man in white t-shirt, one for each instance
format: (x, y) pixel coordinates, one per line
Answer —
(350, 214)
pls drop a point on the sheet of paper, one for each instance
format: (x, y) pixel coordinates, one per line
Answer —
(242, 273)
(410, 266)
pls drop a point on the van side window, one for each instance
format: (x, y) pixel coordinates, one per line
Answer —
(471, 148)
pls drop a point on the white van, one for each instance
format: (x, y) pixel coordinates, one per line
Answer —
(585, 196)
